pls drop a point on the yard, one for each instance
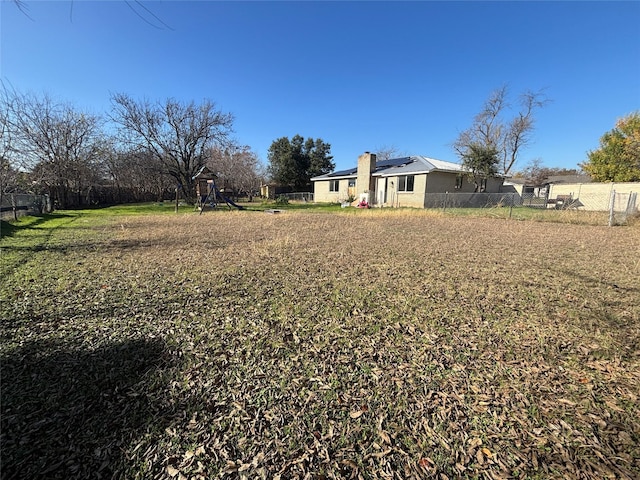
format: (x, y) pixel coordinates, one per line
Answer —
(318, 344)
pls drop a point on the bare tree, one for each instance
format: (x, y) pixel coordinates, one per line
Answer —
(178, 135)
(535, 173)
(57, 143)
(492, 132)
(8, 171)
(238, 169)
(9, 178)
(387, 152)
(136, 175)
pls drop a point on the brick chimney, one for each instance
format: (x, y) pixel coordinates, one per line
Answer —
(365, 183)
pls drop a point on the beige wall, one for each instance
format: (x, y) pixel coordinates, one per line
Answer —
(593, 196)
(401, 199)
(415, 198)
(440, 182)
(321, 193)
(436, 182)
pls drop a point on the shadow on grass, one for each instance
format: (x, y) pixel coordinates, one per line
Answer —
(9, 229)
(70, 412)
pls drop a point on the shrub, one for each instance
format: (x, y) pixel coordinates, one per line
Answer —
(282, 200)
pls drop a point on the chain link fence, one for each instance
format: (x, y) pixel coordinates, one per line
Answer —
(298, 196)
(470, 200)
(14, 205)
(622, 207)
(601, 207)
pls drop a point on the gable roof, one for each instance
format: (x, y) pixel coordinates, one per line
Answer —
(412, 165)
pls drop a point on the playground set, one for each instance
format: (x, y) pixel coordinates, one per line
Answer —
(208, 194)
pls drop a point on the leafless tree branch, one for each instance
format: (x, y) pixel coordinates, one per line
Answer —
(490, 130)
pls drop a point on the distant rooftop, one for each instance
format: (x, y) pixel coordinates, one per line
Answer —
(581, 178)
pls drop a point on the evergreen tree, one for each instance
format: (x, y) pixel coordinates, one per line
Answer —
(294, 162)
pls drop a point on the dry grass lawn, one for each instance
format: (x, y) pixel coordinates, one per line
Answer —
(367, 344)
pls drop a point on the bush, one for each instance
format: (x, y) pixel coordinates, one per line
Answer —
(282, 200)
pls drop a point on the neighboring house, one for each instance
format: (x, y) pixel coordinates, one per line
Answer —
(272, 190)
(398, 182)
(580, 178)
(525, 188)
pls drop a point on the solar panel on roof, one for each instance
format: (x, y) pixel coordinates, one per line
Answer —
(343, 173)
(381, 165)
(393, 162)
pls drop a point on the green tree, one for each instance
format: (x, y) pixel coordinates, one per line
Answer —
(618, 158)
(293, 162)
(481, 162)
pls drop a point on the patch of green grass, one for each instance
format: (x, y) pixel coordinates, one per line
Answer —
(516, 213)
(148, 208)
(30, 226)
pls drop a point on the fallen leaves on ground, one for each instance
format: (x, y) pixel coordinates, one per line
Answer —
(376, 345)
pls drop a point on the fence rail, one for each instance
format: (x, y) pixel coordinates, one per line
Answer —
(13, 205)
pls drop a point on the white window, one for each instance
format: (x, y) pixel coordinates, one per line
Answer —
(405, 183)
(334, 185)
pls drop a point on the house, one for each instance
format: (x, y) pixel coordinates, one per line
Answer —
(525, 187)
(273, 190)
(397, 182)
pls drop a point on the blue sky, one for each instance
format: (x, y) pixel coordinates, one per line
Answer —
(359, 75)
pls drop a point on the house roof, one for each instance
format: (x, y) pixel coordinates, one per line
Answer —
(398, 166)
(580, 178)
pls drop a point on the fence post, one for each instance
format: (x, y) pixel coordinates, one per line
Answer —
(444, 204)
(631, 203)
(14, 207)
(511, 206)
(612, 203)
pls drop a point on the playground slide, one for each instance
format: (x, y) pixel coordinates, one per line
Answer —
(230, 202)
